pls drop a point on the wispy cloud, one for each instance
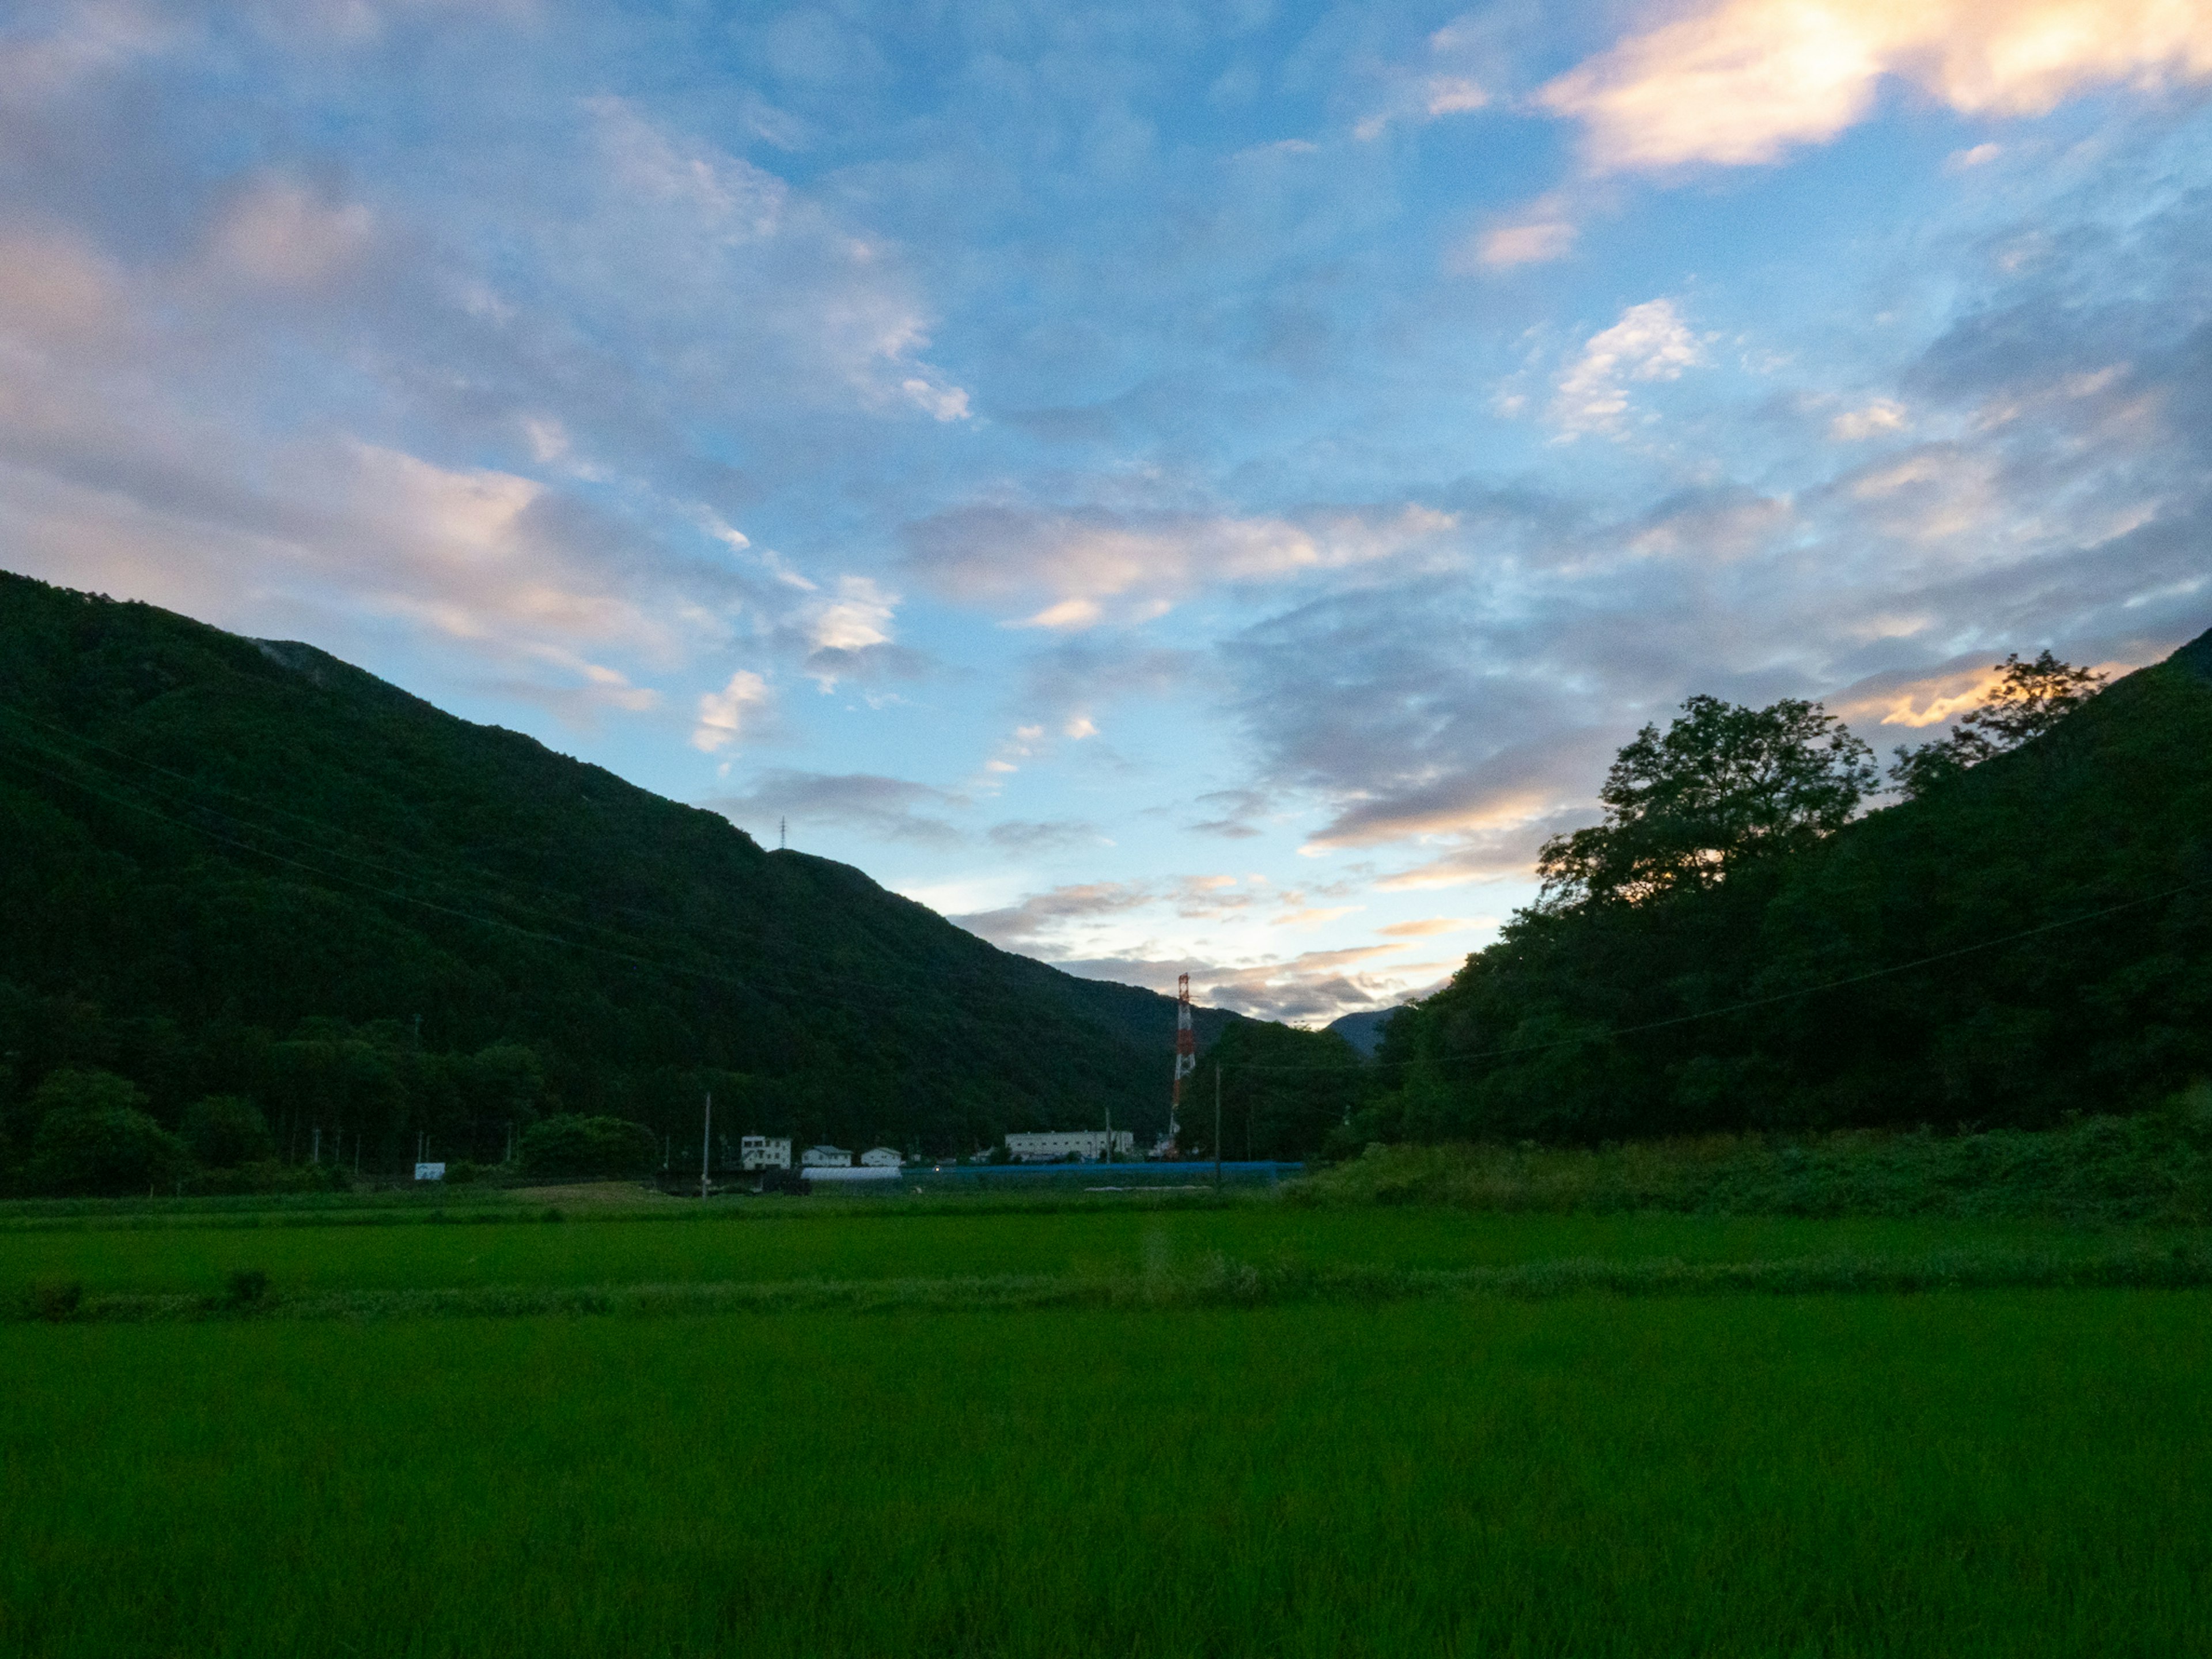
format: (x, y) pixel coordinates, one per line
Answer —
(1095, 565)
(882, 808)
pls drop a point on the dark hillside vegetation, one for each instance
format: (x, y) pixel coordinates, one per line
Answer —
(245, 869)
(2028, 937)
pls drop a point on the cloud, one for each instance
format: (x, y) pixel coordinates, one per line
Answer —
(1650, 342)
(1310, 989)
(724, 714)
(1532, 241)
(1434, 926)
(86, 40)
(1088, 564)
(1058, 921)
(278, 234)
(697, 224)
(471, 396)
(881, 808)
(1745, 81)
(2059, 497)
(1029, 838)
(849, 634)
(1883, 415)
(1421, 99)
(1233, 811)
(1315, 915)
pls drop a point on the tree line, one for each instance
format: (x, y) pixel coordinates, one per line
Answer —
(2023, 932)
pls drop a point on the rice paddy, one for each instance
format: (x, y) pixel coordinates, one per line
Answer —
(1242, 1429)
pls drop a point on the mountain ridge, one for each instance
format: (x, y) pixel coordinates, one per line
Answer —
(237, 852)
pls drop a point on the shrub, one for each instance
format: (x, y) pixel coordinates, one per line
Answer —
(462, 1173)
(270, 1176)
(228, 1133)
(573, 1145)
(94, 1139)
(56, 1302)
(246, 1286)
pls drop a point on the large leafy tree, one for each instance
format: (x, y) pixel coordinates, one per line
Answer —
(2028, 700)
(94, 1137)
(1723, 784)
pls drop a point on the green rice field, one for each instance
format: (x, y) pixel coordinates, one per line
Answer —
(1421, 1460)
(762, 1244)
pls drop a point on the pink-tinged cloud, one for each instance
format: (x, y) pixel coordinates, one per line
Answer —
(1745, 80)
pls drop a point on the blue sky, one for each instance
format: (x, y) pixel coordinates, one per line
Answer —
(1193, 488)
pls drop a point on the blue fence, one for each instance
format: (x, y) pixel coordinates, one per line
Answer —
(1080, 1177)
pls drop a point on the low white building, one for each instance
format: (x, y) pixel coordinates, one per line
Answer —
(881, 1157)
(1053, 1144)
(759, 1153)
(826, 1157)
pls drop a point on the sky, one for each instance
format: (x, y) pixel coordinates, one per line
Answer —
(1175, 488)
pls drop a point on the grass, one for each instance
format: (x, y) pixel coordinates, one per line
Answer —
(761, 1244)
(1979, 1473)
(2155, 1167)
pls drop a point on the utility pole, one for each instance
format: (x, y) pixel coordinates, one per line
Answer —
(706, 1142)
(1216, 1123)
(1186, 1051)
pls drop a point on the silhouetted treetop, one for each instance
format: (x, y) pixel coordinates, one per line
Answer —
(2029, 699)
(1723, 784)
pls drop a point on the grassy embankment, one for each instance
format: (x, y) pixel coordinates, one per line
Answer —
(2153, 1168)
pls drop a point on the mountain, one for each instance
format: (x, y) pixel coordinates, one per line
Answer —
(2031, 939)
(1363, 1031)
(240, 867)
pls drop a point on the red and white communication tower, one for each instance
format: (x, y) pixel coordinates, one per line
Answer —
(1186, 1054)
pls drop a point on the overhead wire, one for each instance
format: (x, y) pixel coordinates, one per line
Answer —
(1750, 1003)
(773, 989)
(501, 887)
(758, 987)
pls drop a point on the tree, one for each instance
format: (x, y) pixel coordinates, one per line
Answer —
(572, 1145)
(1725, 785)
(226, 1131)
(92, 1138)
(2029, 699)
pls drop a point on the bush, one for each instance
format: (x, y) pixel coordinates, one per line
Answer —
(573, 1145)
(270, 1176)
(246, 1286)
(93, 1139)
(56, 1302)
(228, 1133)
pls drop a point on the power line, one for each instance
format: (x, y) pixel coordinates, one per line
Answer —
(1754, 1002)
(758, 987)
(500, 887)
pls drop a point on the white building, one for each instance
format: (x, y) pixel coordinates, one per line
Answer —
(759, 1153)
(826, 1157)
(881, 1157)
(1089, 1144)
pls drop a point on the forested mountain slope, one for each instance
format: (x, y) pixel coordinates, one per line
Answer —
(235, 867)
(2030, 937)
